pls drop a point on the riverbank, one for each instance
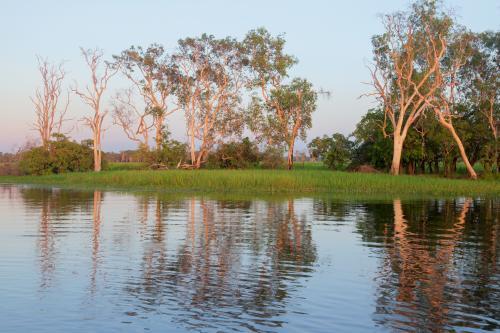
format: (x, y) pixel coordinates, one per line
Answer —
(265, 181)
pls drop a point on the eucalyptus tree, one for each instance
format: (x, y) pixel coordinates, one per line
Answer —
(100, 73)
(151, 72)
(481, 75)
(210, 77)
(406, 58)
(445, 101)
(280, 112)
(131, 118)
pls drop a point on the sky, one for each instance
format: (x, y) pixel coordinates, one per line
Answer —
(331, 39)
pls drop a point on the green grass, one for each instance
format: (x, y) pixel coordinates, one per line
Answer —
(114, 166)
(308, 180)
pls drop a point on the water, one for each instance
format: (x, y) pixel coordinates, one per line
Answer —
(76, 261)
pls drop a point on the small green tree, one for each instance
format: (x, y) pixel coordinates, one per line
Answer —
(283, 111)
(318, 147)
(339, 152)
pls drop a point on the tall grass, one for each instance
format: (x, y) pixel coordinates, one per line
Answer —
(269, 181)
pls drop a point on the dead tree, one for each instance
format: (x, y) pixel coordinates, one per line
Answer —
(92, 96)
(49, 117)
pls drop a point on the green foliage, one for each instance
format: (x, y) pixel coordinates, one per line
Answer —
(286, 115)
(61, 156)
(339, 152)
(371, 146)
(265, 56)
(172, 152)
(235, 155)
(272, 158)
(35, 161)
(318, 147)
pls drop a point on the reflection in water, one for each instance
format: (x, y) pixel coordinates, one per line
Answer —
(53, 207)
(105, 260)
(96, 227)
(228, 270)
(439, 261)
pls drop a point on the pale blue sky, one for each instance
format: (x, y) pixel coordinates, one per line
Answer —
(330, 38)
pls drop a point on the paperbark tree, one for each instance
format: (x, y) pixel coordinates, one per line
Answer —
(151, 72)
(100, 73)
(131, 119)
(49, 117)
(283, 111)
(210, 78)
(444, 102)
(284, 115)
(406, 58)
(482, 74)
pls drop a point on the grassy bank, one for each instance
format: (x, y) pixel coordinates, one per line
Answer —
(269, 181)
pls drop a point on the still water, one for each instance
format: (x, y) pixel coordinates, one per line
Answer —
(92, 261)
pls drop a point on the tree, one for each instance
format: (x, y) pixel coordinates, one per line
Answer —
(339, 152)
(481, 74)
(131, 119)
(444, 101)
(210, 77)
(371, 146)
(406, 58)
(150, 70)
(92, 96)
(286, 115)
(49, 117)
(283, 111)
(318, 147)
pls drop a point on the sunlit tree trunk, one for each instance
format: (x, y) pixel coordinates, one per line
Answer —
(290, 154)
(449, 126)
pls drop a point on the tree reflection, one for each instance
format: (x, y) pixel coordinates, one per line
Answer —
(96, 236)
(237, 260)
(54, 208)
(421, 274)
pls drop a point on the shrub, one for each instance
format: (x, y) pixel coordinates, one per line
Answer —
(172, 153)
(272, 158)
(235, 155)
(61, 156)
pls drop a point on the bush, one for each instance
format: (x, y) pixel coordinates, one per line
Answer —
(272, 158)
(61, 156)
(172, 153)
(235, 155)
